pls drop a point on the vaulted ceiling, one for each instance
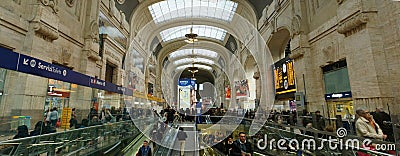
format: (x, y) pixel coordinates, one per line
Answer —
(129, 6)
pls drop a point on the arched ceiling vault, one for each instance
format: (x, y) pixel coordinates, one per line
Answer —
(130, 6)
(150, 31)
(224, 53)
(141, 14)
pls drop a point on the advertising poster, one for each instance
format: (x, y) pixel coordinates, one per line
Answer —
(184, 93)
(242, 88)
(292, 105)
(227, 92)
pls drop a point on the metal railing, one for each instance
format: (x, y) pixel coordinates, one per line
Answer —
(77, 141)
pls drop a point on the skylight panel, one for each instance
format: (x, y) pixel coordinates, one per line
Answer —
(201, 30)
(171, 9)
(196, 60)
(196, 65)
(199, 52)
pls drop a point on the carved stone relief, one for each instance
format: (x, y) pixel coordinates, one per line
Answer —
(111, 6)
(121, 1)
(70, 3)
(51, 3)
(353, 25)
(45, 32)
(296, 25)
(94, 31)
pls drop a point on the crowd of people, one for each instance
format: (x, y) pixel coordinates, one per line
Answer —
(52, 121)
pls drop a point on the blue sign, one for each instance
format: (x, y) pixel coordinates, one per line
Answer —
(39, 67)
(198, 113)
(26, 64)
(184, 82)
(8, 59)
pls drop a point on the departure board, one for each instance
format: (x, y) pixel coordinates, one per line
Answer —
(284, 76)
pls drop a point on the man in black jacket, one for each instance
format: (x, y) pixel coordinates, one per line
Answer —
(145, 150)
(380, 117)
(241, 147)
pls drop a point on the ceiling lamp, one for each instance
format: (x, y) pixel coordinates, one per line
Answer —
(191, 37)
(193, 69)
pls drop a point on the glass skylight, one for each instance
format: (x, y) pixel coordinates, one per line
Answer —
(196, 60)
(201, 30)
(198, 52)
(196, 65)
(170, 9)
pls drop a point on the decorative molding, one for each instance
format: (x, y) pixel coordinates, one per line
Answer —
(296, 54)
(52, 4)
(256, 75)
(91, 49)
(111, 7)
(44, 31)
(352, 25)
(70, 3)
(94, 31)
(17, 1)
(121, 1)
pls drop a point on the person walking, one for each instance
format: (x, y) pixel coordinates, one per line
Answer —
(145, 150)
(54, 116)
(182, 138)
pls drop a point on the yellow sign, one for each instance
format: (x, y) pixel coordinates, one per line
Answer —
(66, 117)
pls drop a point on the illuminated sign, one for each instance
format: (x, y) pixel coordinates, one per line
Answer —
(338, 95)
(284, 76)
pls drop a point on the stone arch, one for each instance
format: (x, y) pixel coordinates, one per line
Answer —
(250, 67)
(278, 42)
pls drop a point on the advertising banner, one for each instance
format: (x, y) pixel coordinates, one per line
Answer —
(184, 97)
(227, 92)
(242, 88)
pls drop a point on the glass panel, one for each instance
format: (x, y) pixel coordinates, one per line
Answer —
(196, 60)
(201, 30)
(199, 52)
(196, 65)
(337, 81)
(167, 10)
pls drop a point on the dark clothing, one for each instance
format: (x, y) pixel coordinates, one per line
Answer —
(387, 129)
(320, 122)
(22, 132)
(228, 147)
(145, 151)
(182, 135)
(239, 147)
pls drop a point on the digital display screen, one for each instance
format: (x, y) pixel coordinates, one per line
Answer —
(284, 76)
